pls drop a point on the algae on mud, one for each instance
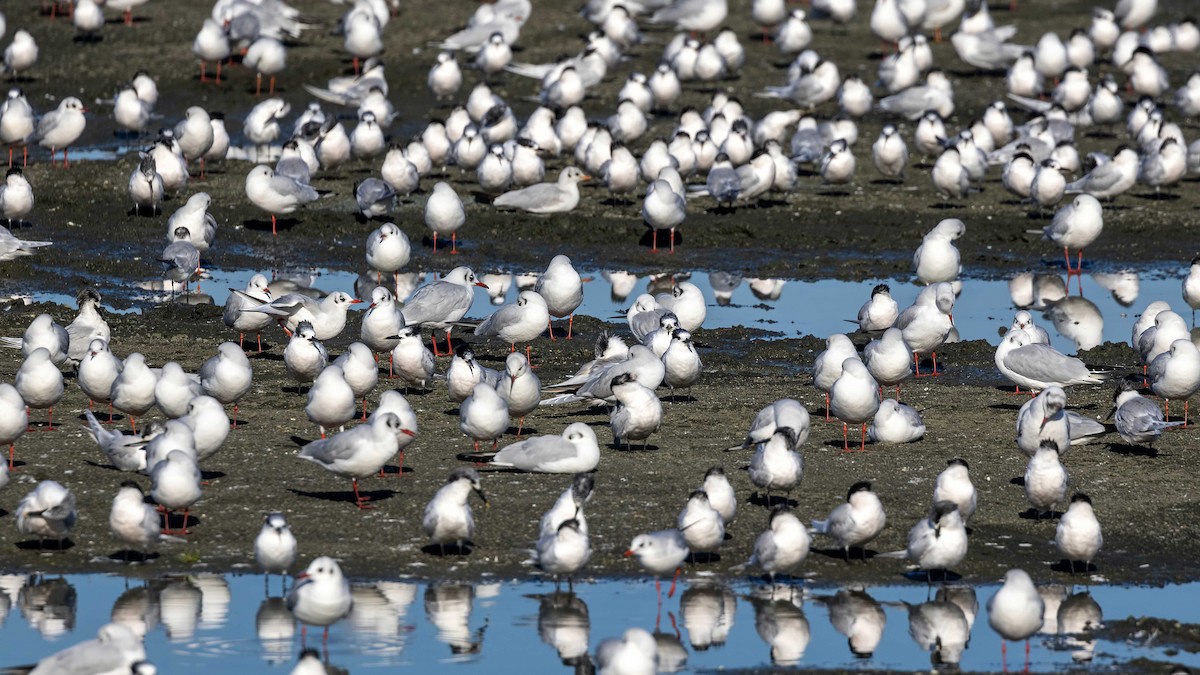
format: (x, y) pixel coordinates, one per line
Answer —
(1146, 501)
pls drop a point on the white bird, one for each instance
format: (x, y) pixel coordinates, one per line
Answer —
(954, 485)
(880, 312)
(442, 303)
(561, 288)
(887, 359)
(520, 388)
(42, 332)
(146, 184)
(856, 521)
(465, 372)
(327, 316)
(776, 463)
(97, 371)
(134, 522)
(521, 321)
(331, 400)
(782, 546)
(681, 363)
(126, 453)
(854, 398)
(895, 422)
(47, 512)
(634, 653)
(483, 415)
(410, 359)
(305, 356)
(448, 517)
(1075, 227)
(360, 371)
(194, 217)
(267, 56)
(638, 413)
(660, 553)
(827, 367)
(560, 196)
(786, 412)
(14, 421)
(275, 193)
(444, 214)
(40, 382)
(257, 293)
(21, 54)
(1045, 479)
(61, 127)
(1038, 366)
(936, 542)
(115, 649)
(382, 323)
(1175, 374)
(1015, 610)
(574, 451)
(1138, 419)
(16, 196)
(320, 595)
(663, 209)
(275, 545)
(1110, 178)
(393, 402)
(175, 389)
(175, 485)
(209, 425)
(227, 376)
(1078, 535)
(565, 551)
(937, 258)
(569, 505)
(359, 452)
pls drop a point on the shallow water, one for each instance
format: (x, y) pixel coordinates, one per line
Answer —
(203, 621)
(789, 308)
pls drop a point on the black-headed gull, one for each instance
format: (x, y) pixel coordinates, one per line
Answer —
(1038, 366)
(320, 596)
(175, 485)
(276, 194)
(660, 553)
(854, 399)
(257, 293)
(1015, 611)
(275, 545)
(327, 316)
(227, 376)
(560, 196)
(357, 453)
(442, 303)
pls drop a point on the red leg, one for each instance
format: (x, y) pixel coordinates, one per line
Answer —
(241, 338)
(672, 240)
(935, 372)
(233, 424)
(1167, 413)
(133, 423)
(1004, 654)
(258, 86)
(654, 241)
(218, 71)
(570, 325)
(520, 425)
(845, 437)
(678, 571)
(356, 65)
(916, 365)
(66, 159)
(50, 419)
(364, 413)
(12, 454)
(272, 90)
(827, 406)
(259, 343)
(185, 519)
(433, 339)
(551, 324)
(862, 447)
(435, 242)
(1185, 413)
(453, 243)
(360, 500)
(273, 232)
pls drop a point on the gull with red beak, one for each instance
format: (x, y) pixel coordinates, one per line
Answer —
(359, 452)
(320, 596)
(442, 303)
(328, 316)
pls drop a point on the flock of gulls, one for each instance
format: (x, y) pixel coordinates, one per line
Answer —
(720, 154)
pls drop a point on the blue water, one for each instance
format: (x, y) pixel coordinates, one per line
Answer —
(790, 309)
(205, 621)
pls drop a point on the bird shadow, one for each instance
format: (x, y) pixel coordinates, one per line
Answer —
(662, 237)
(390, 471)
(88, 38)
(1073, 567)
(150, 212)
(1034, 514)
(760, 499)
(633, 447)
(856, 553)
(299, 441)
(265, 356)
(344, 495)
(211, 475)
(679, 398)
(930, 576)
(1019, 480)
(946, 206)
(3, 513)
(702, 557)
(834, 193)
(443, 550)
(1005, 406)
(98, 465)
(46, 544)
(1132, 450)
(176, 523)
(525, 431)
(131, 556)
(264, 225)
(1158, 196)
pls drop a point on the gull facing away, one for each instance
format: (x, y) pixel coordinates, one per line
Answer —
(576, 450)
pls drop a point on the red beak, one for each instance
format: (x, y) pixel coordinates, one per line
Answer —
(410, 432)
(481, 284)
(628, 553)
(356, 301)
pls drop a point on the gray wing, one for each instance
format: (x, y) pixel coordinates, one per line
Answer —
(1082, 428)
(537, 196)
(430, 302)
(1039, 362)
(497, 320)
(531, 453)
(328, 450)
(371, 191)
(287, 187)
(86, 657)
(1101, 179)
(284, 306)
